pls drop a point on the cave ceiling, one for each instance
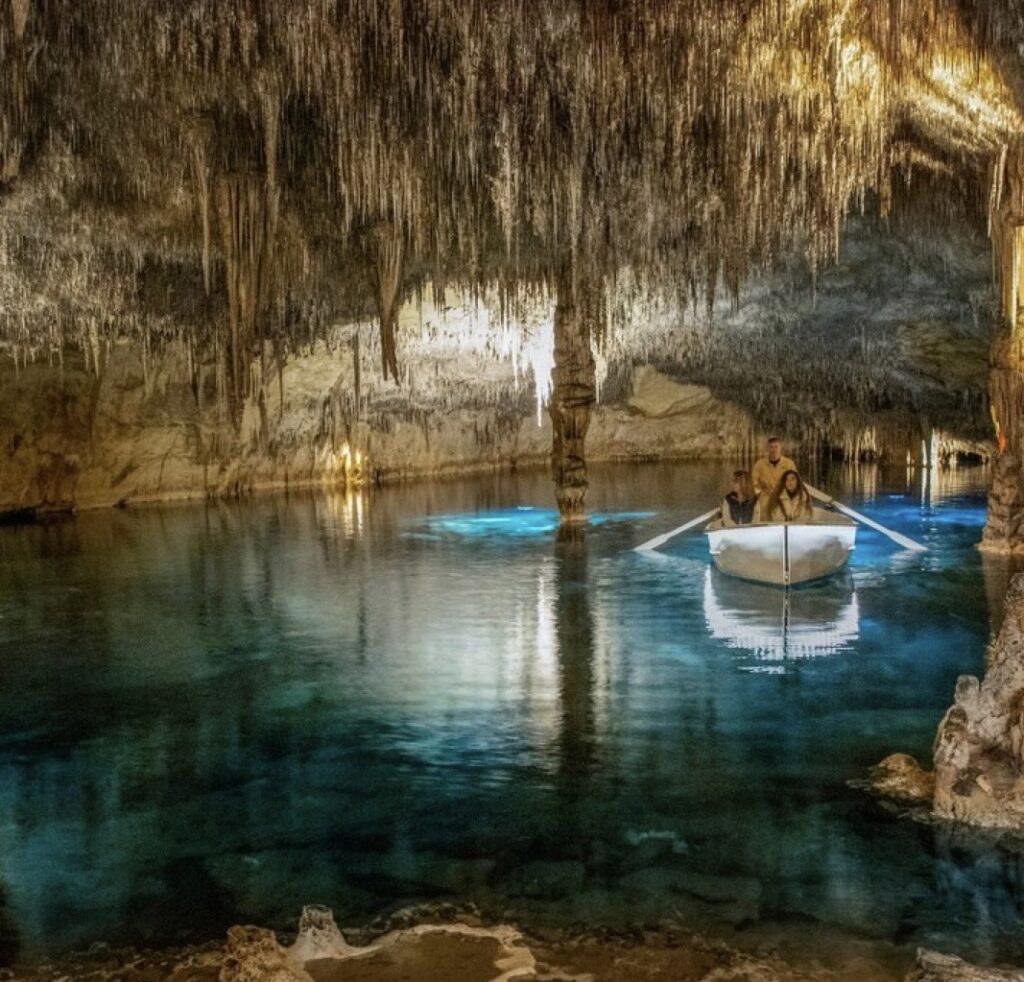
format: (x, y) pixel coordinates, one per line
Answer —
(263, 168)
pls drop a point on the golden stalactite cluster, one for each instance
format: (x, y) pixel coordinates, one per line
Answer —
(675, 146)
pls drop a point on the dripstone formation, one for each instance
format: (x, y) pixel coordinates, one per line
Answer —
(233, 187)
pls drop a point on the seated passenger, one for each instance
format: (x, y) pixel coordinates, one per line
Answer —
(738, 505)
(789, 502)
(768, 471)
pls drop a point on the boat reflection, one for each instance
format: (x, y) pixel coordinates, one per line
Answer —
(777, 625)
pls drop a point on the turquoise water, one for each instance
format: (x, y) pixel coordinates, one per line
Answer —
(213, 714)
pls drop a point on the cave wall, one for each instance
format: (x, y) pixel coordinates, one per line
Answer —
(69, 438)
(877, 355)
(896, 332)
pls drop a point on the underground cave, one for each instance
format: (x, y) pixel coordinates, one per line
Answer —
(506, 490)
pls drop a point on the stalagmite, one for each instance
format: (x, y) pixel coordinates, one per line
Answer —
(978, 754)
(572, 397)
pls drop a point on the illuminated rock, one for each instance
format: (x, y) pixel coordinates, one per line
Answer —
(900, 776)
(252, 954)
(319, 937)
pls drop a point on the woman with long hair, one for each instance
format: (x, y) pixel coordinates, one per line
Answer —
(738, 505)
(789, 502)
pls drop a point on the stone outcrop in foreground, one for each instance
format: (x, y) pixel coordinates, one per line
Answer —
(935, 967)
(466, 951)
(978, 776)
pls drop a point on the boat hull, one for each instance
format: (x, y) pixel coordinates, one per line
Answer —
(783, 555)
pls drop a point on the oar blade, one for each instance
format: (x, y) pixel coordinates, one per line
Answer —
(660, 540)
(896, 537)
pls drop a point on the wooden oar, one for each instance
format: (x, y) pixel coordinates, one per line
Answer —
(660, 540)
(896, 537)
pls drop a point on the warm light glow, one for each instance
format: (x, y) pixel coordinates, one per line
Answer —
(342, 466)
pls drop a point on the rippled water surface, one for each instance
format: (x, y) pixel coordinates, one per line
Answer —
(214, 714)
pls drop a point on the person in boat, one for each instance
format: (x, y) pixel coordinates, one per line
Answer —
(768, 470)
(789, 502)
(739, 504)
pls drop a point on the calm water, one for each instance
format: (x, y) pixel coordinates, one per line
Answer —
(214, 714)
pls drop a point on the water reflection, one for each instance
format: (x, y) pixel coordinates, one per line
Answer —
(575, 638)
(339, 514)
(776, 625)
(942, 484)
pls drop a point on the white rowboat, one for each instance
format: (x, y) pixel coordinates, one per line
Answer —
(783, 554)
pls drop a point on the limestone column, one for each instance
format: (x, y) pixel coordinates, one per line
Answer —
(14, 87)
(1004, 529)
(572, 396)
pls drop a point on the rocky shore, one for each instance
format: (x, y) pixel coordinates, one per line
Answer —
(466, 950)
(978, 755)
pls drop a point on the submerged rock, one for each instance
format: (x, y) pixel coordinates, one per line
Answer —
(549, 880)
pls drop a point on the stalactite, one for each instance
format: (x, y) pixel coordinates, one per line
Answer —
(245, 237)
(201, 171)
(549, 131)
(386, 249)
(356, 371)
(782, 116)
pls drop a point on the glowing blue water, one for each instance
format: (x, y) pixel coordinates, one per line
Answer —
(212, 715)
(498, 525)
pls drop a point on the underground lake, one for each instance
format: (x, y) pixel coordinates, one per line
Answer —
(213, 714)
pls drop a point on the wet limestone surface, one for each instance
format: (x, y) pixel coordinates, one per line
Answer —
(979, 748)
(458, 951)
(461, 958)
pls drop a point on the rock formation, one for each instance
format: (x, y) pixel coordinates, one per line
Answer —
(1004, 531)
(424, 951)
(230, 184)
(935, 967)
(147, 425)
(978, 766)
(319, 937)
(468, 952)
(573, 395)
(122, 438)
(252, 954)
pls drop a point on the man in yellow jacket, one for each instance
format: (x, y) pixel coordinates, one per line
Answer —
(768, 470)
